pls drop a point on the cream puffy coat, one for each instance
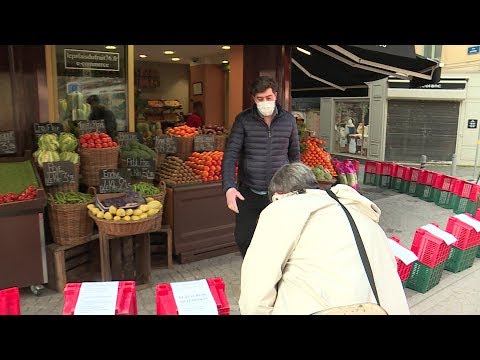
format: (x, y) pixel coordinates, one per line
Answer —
(303, 257)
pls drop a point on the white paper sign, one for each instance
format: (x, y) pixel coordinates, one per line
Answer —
(194, 298)
(470, 221)
(445, 236)
(97, 298)
(407, 256)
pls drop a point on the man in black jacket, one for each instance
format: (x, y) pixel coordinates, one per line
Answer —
(263, 139)
(100, 112)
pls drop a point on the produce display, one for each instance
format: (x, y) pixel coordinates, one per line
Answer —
(70, 198)
(96, 140)
(184, 131)
(213, 130)
(29, 193)
(313, 154)
(130, 199)
(322, 174)
(206, 165)
(72, 109)
(151, 208)
(135, 150)
(174, 171)
(149, 131)
(146, 189)
(15, 177)
(53, 147)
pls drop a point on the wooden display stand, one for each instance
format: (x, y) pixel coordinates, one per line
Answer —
(167, 230)
(71, 263)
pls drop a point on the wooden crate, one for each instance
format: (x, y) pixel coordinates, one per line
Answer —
(72, 263)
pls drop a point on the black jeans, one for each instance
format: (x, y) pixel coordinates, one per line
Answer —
(246, 220)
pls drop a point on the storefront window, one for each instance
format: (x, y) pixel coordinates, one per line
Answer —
(351, 127)
(85, 70)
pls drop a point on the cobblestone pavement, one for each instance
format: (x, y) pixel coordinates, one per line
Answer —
(457, 293)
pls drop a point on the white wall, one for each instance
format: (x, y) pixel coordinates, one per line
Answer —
(174, 82)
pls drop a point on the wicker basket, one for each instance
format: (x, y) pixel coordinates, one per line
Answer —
(125, 228)
(104, 158)
(220, 142)
(70, 223)
(160, 197)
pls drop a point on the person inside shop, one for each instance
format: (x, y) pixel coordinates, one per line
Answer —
(303, 257)
(262, 139)
(99, 111)
(195, 119)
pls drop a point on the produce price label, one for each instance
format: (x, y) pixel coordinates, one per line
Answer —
(58, 172)
(114, 180)
(89, 126)
(8, 143)
(142, 168)
(165, 144)
(46, 128)
(124, 138)
(204, 143)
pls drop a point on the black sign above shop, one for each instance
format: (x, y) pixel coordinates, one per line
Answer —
(91, 60)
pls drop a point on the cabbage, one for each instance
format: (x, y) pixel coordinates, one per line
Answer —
(37, 153)
(47, 156)
(48, 142)
(67, 142)
(70, 156)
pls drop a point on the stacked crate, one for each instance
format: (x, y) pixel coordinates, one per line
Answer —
(383, 179)
(126, 303)
(477, 216)
(425, 185)
(467, 231)
(463, 193)
(404, 265)
(10, 301)
(432, 247)
(397, 179)
(370, 172)
(412, 182)
(442, 191)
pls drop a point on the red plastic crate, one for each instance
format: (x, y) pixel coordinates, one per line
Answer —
(166, 302)
(466, 234)
(416, 174)
(407, 173)
(10, 301)
(462, 188)
(370, 166)
(126, 298)
(443, 182)
(399, 170)
(403, 270)
(430, 249)
(386, 168)
(427, 178)
(474, 193)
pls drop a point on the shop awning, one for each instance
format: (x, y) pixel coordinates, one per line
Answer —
(346, 68)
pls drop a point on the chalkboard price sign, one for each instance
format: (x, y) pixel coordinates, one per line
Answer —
(124, 138)
(88, 126)
(114, 180)
(141, 168)
(46, 128)
(8, 143)
(165, 144)
(204, 143)
(58, 172)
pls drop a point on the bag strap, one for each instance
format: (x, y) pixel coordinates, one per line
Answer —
(360, 246)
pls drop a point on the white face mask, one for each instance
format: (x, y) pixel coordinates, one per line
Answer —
(266, 107)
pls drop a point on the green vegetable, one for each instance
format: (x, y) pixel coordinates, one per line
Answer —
(67, 142)
(70, 156)
(70, 198)
(48, 142)
(146, 189)
(47, 156)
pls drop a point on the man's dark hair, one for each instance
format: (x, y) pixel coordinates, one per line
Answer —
(262, 83)
(93, 100)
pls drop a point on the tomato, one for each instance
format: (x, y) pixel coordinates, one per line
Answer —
(84, 145)
(91, 145)
(104, 140)
(82, 140)
(103, 135)
(98, 146)
(114, 144)
(105, 145)
(98, 141)
(110, 144)
(87, 136)
(95, 136)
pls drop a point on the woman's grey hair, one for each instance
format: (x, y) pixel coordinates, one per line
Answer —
(292, 177)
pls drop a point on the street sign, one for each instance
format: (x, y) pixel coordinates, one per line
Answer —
(472, 123)
(472, 50)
